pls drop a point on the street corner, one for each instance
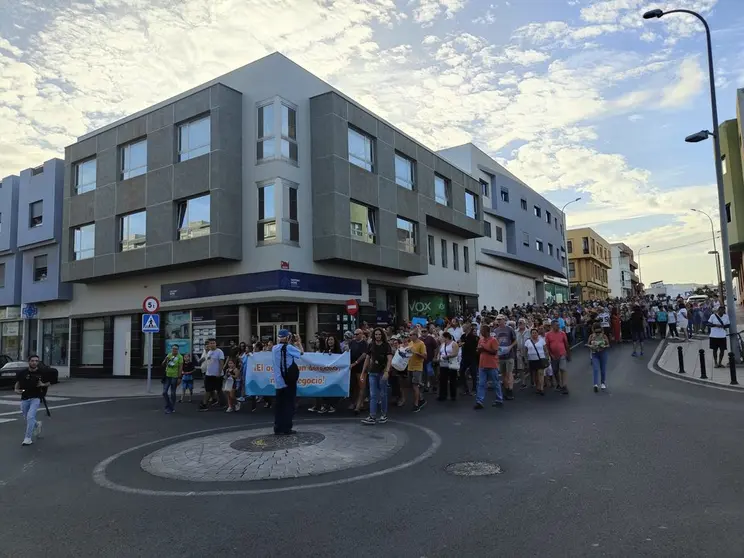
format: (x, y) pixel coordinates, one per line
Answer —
(252, 460)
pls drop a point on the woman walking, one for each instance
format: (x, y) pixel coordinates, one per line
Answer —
(672, 322)
(537, 359)
(683, 322)
(598, 345)
(449, 366)
(661, 321)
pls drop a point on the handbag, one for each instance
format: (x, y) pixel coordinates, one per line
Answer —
(543, 361)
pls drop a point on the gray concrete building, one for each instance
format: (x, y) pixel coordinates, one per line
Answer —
(262, 199)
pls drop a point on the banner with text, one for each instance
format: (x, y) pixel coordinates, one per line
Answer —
(321, 375)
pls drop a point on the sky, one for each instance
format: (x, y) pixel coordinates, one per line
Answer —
(578, 98)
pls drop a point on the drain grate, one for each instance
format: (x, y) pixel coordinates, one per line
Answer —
(474, 469)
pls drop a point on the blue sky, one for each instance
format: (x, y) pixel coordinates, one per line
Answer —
(576, 97)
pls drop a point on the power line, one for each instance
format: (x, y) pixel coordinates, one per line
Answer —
(678, 247)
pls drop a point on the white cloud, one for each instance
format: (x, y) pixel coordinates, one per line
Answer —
(690, 81)
(426, 11)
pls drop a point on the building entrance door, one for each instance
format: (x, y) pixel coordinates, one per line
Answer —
(270, 331)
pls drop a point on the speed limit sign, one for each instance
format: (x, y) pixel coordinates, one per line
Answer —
(151, 305)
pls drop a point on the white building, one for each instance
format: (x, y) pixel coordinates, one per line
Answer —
(622, 276)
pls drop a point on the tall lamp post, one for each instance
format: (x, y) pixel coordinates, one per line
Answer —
(640, 270)
(714, 252)
(730, 308)
(565, 242)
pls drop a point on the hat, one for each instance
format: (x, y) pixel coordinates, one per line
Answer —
(284, 333)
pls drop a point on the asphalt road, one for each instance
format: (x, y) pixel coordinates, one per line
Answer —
(651, 468)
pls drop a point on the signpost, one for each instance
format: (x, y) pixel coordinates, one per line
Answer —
(352, 308)
(150, 325)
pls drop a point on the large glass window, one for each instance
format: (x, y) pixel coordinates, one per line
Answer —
(178, 331)
(10, 344)
(40, 268)
(35, 214)
(363, 224)
(2, 275)
(471, 205)
(404, 171)
(499, 234)
(441, 190)
(484, 188)
(466, 258)
(294, 224)
(289, 133)
(92, 342)
(85, 176)
(194, 138)
(406, 235)
(266, 213)
(266, 144)
(361, 149)
(133, 232)
(194, 217)
(133, 159)
(55, 334)
(444, 253)
(84, 242)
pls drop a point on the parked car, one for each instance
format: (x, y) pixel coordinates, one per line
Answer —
(10, 367)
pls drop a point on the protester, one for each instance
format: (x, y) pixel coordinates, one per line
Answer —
(286, 374)
(598, 345)
(507, 340)
(719, 326)
(537, 359)
(377, 368)
(173, 364)
(187, 378)
(214, 361)
(448, 367)
(488, 368)
(559, 352)
(416, 369)
(232, 385)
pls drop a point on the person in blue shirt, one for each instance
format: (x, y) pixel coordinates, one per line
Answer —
(285, 381)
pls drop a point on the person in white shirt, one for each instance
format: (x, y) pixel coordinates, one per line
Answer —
(682, 320)
(455, 330)
(719, 328)
(672, 322)
(536, 358)
(213, 364)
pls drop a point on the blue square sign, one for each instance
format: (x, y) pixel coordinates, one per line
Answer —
(150, 323)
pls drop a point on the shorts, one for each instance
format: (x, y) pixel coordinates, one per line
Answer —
(558, 364)
(212, 383)
(535, 366)
(187, 382)
(636, 335)
(506, 366)
(718, 343)
(417, 377)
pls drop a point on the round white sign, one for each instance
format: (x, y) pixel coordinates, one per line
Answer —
(151, 305)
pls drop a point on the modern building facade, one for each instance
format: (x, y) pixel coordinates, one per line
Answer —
(623, 276)
(589, 262)
(730, 134)
(261, 200)
(523, 236)
(33, 299)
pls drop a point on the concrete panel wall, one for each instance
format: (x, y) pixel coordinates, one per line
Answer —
(10, 294)
(50, 289)
(9, 214)
(46, 187)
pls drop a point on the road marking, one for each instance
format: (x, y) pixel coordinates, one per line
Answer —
(2, 420)
(14, 398)
(41, 409)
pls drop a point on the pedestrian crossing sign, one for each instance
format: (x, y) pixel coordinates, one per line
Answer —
(150, 323)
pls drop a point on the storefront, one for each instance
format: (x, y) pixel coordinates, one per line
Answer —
(556, 293)
(11, 332)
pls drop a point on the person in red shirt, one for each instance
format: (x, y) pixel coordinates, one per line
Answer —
(488, 368)
(559, 352)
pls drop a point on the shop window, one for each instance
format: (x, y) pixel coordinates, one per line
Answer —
(178, 331)
(10, 341)
(92, 342)
(55, 334)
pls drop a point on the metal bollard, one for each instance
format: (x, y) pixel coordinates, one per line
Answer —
(732, 369)
(681, 360)
(703, 375)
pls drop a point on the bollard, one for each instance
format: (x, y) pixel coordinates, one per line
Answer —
(681, 360)
(703, 375)
(732, 369)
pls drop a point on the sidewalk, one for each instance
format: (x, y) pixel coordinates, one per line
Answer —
(104, 388)
(668, 363)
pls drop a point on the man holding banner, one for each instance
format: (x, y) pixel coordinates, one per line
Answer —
(286, 374)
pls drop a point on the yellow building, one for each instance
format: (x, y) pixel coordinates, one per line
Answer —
(589, 259)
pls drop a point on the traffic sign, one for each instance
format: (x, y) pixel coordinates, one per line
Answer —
(150, 323)
(352, 307)
(151, 305)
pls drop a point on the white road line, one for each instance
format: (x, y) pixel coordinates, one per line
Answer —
(41, 410)
(2, 420)
(14, 398)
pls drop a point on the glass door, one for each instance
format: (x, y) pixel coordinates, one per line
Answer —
(270, 331)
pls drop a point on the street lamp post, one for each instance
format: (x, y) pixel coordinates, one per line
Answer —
(715, 251)
(640, 270)
(730, 308)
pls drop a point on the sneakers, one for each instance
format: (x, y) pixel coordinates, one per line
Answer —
(238, 405)
(564, 390)
(497, 404)
(604, 387)
(323, 410)
(169, 411)
(229, 410)
(313, 409)
(634, 354)
(596, 388)
(27, 442)
(509, 395)
(369, 420)
(203, 408)
(330, 409)
(382, 419)
(478, 406)
(37, 429)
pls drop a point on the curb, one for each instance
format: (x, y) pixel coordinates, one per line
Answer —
(653, 366)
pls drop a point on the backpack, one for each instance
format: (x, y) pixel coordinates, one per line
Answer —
(291, 373)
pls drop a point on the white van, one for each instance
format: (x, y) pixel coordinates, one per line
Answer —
(697, 299)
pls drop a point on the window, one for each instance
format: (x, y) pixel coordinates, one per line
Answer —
(487, 229)
(84, 242)
(538, 211)
(525, 239)
(2, 275)
(484, 188)
(92, 342)
(523, 204)
(539, 245)
(134, 159)
(363, 223)
(550, 249)
(289, 133)
(266, 143)
(35, 214)
(194, 138)
(38, 170)
(361, 149)
(555, 222)
(432, 255)
(441, 190)
(455, 256)
(294, 224)
(406, 235)
(133, 231)
(266, 230)
(471, 205)
(194, 218)
(571, 270)
(561, 229)
(569, 246)
(40, 268)
(85, 176)
(55, 334)
(404, 171)
(505, 195)
(499, 234)
(548, 217)
(585, 244)
(466, 258)
(728, 212)
(444, 253)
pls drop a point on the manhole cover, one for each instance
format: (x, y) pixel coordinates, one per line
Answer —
(473, 469)
(274, 443)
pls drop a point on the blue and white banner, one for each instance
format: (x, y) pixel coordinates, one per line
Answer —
(321, 375)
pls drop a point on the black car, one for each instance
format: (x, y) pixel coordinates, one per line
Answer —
(9, 367)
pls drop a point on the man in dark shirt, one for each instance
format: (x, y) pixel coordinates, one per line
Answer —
(469, 358)
(31, 386)
(637, 326)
